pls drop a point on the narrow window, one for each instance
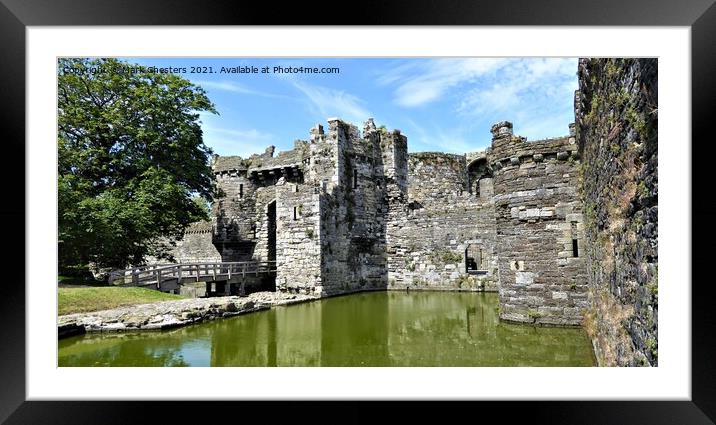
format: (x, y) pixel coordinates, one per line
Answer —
(575, 247)
(295, 213)
(355, 178)
(241, 191)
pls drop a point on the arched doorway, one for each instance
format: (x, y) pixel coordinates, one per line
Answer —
(479, 176)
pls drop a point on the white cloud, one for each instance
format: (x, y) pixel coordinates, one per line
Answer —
(231, 141)
(425, 82)
(488, 88)
(333, 103)
(522, 84)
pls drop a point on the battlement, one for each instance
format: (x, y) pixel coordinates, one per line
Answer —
(508, 149)
(227, 164)
(436, 156)
(200, 227)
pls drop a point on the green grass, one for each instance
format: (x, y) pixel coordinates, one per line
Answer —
(80, 300)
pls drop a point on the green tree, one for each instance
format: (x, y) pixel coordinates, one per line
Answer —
(203, 203)
(130, 159)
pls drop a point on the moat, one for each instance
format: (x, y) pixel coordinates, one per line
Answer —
(366, 329)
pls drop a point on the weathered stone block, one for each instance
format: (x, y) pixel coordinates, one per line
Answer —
(559, 295)
(524, 278)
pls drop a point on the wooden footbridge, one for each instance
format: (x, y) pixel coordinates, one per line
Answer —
(169, 276)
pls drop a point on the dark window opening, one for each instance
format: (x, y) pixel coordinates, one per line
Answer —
(355, 178)
(575, 248)
(241, 191)
(475, 260)
(471, 264)
(295, 213)
(270, 283)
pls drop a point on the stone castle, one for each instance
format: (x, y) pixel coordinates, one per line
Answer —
(347, 210)
(565, 229)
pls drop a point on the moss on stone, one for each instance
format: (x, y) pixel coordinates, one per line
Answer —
(534, 314)
(448, 257)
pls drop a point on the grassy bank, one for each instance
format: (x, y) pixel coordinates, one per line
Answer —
(80, 300)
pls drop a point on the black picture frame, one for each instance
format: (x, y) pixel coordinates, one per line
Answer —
(16, 15)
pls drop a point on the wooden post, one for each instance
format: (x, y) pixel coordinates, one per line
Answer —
(135, 277)
(242, 287)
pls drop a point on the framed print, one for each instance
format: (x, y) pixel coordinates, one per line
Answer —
(631, 61)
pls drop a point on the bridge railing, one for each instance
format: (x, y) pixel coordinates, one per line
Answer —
(159, 273)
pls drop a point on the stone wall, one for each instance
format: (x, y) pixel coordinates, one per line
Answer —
(436, 177)
(616, 109)
(265, 196)
(539, 229)
(196, 246)
(429, 238)
(298, 238)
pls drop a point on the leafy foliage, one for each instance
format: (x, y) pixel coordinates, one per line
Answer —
(130, 158)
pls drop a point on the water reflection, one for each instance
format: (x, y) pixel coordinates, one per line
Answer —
(370, 329)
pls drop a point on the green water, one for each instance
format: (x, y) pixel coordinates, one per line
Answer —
(367, 329)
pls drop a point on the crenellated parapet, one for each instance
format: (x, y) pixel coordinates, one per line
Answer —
(510, 150)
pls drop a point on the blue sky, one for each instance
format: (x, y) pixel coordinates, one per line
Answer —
(446, 104)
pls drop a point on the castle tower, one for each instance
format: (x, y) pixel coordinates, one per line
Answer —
(349, 173)
(233, 213)
(539, 229)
